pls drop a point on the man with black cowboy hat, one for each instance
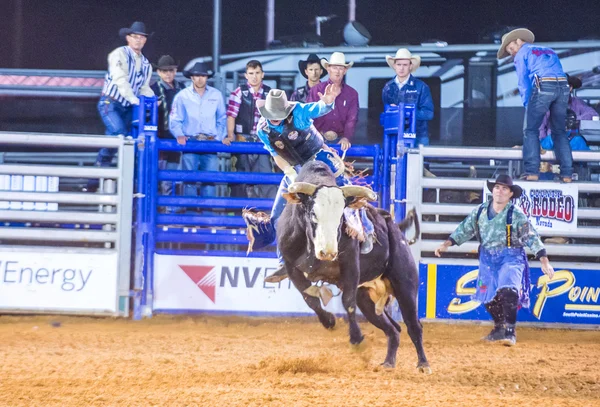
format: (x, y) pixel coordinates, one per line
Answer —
(405, 88)
(165, 88)
(287, 131)
(128, 77)
(313, 71)
(503, 230)
(198, 114)
(543, 87)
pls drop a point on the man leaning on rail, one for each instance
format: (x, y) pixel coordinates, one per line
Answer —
(287, 131)
(128, 77)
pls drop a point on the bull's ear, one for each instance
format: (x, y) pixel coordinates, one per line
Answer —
(357, 203)
(291, 198)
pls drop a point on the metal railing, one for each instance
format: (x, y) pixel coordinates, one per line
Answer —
(439, 219)
(67, 223)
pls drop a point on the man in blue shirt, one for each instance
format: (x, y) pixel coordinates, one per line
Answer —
(287, 131)
(543, 87)
(405, 88)
(198, 114)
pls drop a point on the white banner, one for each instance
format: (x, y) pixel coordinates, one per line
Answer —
(549, 206)
(54, 281)
(233, 284)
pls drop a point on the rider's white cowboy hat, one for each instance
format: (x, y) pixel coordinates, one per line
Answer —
(337, 58)
(522, 33)
(275, 106)
(404, 53)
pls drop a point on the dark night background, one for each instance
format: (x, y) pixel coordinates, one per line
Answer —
(78, 34)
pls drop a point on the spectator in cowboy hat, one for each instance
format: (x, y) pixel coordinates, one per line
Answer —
(198, 114)
(313, 71)
(503, 282)
(405, 88)
(128, 77)
(543, 87)
(165, 89)
(338, 126)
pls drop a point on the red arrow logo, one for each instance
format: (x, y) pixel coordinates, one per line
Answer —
(203, 278)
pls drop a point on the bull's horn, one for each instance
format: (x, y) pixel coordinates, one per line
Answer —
(302, 188)
(359, 192)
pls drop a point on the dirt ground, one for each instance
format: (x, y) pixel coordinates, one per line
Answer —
(232, 361)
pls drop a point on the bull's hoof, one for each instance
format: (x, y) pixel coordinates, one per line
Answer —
(357, 343)
(388, 365)
(327, 320)
(424, 368)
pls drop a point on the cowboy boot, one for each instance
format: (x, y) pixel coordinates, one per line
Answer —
(497, 333)
(510, 336)
(279, 275)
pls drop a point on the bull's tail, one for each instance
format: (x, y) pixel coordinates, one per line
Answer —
(411, 218)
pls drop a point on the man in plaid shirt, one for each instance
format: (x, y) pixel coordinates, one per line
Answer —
(242, 119)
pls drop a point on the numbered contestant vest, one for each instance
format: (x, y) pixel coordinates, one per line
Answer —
(294, 145)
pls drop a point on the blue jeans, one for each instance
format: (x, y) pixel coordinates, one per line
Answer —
(502, 268)
(199, 162)
(117, 119)
(553, 96)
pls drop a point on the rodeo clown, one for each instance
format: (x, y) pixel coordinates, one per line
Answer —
(502, 230)
(287, 131)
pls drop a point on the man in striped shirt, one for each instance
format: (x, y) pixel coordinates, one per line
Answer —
(242, 119)
(128, 77)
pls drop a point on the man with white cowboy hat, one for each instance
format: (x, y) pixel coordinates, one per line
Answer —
(287, 131)
(405, 88)
(503, 231)
(128, 77)
(543, 87)
(338, 126)
(313, 71)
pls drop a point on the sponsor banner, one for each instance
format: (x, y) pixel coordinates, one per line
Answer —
(229, 284)
(571, 297)
(54, 281)
(549, 206)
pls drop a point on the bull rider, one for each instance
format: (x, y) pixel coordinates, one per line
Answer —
(287, 131)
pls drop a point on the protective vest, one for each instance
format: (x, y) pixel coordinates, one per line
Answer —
(245, 117)
(296, 146)
(509, 216)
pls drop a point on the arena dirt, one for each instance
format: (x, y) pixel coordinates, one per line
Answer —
(225, 361)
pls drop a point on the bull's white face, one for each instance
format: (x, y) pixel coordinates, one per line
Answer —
(329, 204)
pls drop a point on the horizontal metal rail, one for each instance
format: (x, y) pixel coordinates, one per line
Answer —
(475, 153)
(465, 209)
(52, 235)
(201, 220)
(448, 227)
(60, 171)
(201, 238)
(552, 249)
(478, 183)
(58, 216)
(225, 203)
(60, 197)
(220, 177)
(63, 140)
